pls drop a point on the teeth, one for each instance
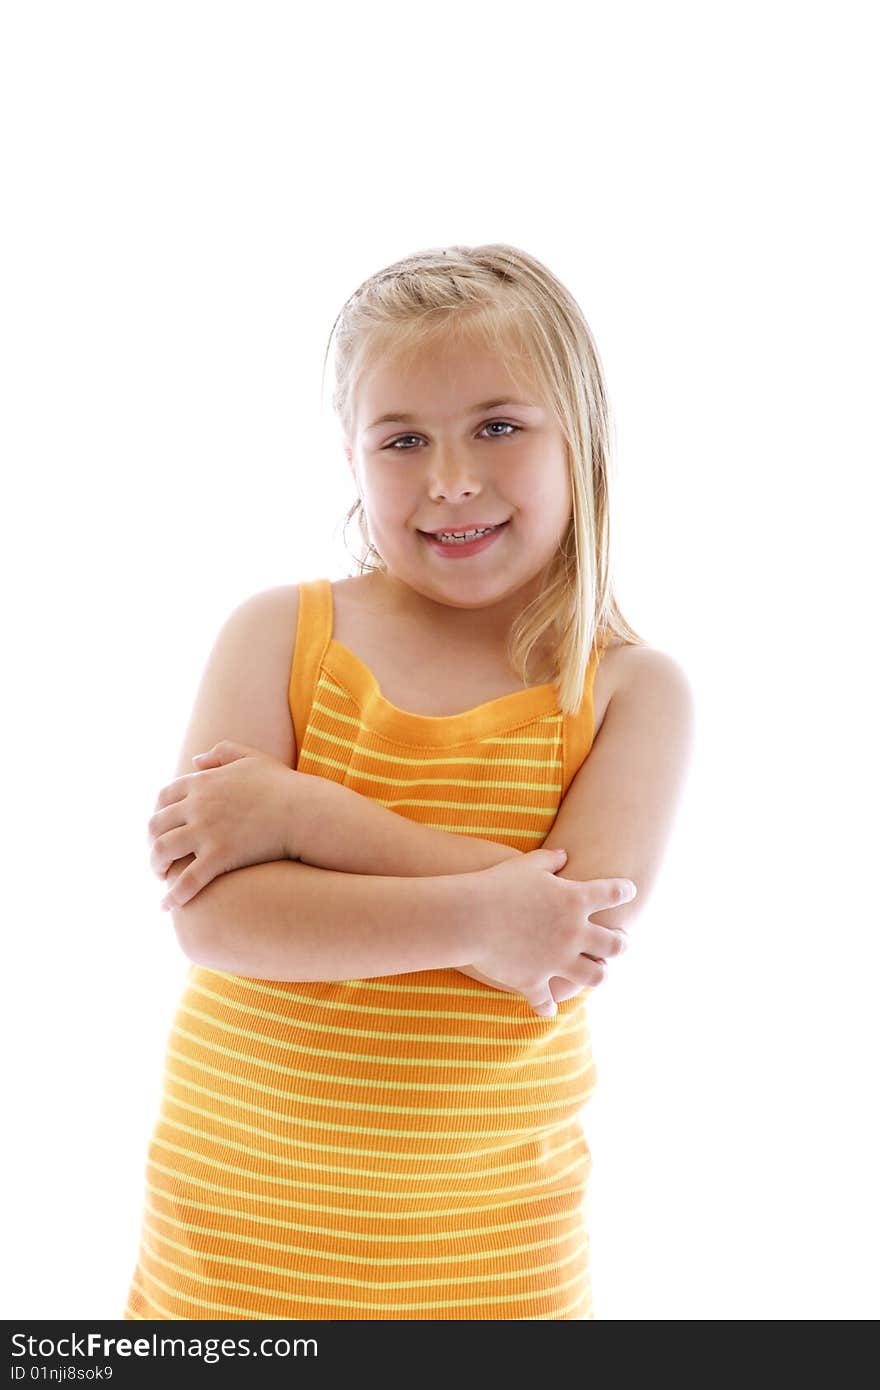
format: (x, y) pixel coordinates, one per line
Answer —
(464, 535)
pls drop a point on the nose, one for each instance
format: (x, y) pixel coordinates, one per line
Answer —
(449, 480)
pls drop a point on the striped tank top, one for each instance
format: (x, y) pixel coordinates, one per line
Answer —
(403, 1146)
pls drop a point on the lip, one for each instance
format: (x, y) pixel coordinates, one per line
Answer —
(462, 549)
(465, 526)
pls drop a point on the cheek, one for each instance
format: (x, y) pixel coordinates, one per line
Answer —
(384, 487)
(542, 504)
(392, 503)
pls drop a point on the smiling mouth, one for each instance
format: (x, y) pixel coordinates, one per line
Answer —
(465, 530)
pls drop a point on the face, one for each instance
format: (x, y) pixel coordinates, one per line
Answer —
(438, 462)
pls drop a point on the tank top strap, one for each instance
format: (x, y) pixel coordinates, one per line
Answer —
(580, 727)
(314, 628)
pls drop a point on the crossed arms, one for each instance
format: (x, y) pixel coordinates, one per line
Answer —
(615, 820)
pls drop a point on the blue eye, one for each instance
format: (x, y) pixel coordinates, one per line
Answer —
(516, 429)
(506, 424)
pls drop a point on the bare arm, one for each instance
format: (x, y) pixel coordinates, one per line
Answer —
(618, 813)
(335, 827)
(620, 807)
(288, 921)
(293, 920)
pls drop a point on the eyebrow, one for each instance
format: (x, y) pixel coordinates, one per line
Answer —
(400, 417)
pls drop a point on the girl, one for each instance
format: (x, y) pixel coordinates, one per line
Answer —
(375, 1075)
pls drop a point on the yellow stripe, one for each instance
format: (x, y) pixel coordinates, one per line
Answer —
(461, 1233)
(457, 1280)
(357, 747)
(484, 783)
(166, 1312)
(484, 831)
(348, 1006)
(327, 682)
(332, 1167)
(387, 759)
(531, 1131)
(360, 749)
(360, 1008)
(569, 1307)
(467, 806)
(467, 1155)
(375, 1215)
(338, 1004)
(553, 721)
(282, 1161)
(232, 1237)
(367, 983)
(504, 783)
(383, 1308)
(538, 1107)
(374, 1057)
(395, 1084)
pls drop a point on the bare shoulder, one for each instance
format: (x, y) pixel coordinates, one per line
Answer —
(261, 631)
(634, 674)
(243, 692)
(632, 662)
(650, 681)
(275, 604)
(659, 669)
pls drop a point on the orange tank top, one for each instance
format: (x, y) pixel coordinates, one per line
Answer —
(404, 1146)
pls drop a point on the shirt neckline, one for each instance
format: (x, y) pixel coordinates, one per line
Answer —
(491, 716)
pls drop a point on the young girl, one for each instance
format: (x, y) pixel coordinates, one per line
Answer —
(374, 1078)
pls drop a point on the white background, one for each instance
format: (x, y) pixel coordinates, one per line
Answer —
(191, 192)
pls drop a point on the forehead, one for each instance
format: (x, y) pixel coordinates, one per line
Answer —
(442, 381)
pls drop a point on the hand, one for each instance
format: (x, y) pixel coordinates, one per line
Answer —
(233, 811)
(484, 979)
(567, 949)
(560, 988)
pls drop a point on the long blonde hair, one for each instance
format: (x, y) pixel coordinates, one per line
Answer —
(504, 298)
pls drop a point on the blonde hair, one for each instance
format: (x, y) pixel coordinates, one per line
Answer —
(504, 298)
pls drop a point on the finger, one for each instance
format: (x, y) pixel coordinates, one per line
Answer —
(166, 819)
(610, 892)
(186, 885)
(563, 989)
(587, 971)
(174, 791)
(226, 751)
(543, 1002)
(174, 844)
(209, 759)
(607, 941)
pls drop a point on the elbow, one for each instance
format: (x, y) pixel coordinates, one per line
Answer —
(625, 914)
(196, 921)
(190, 933)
